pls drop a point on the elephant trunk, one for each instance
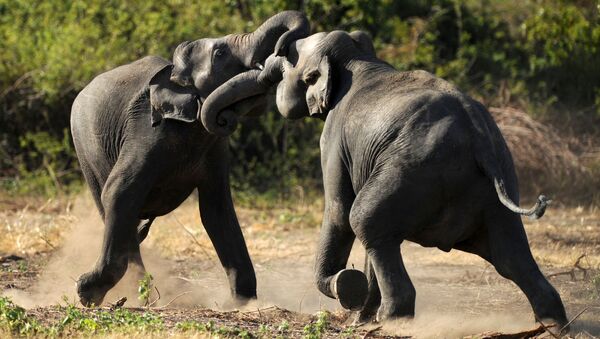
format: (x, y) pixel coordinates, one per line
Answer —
(216, 117)
(272, 73)
(275, 34)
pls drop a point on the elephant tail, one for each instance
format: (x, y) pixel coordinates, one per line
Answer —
(488, 161)
(535, 212)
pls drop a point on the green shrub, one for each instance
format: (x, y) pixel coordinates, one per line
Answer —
(540, 55)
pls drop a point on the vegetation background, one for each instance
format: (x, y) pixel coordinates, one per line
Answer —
(541, 56)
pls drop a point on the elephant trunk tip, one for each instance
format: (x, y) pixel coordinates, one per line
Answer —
(225, 123)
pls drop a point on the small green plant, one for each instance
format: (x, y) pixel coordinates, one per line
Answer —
(348, 332)
(101, 321)
(211, 328)
(315, 330)
(145, 288)
(22, 266)
(264, 331)
(15, 319)
(283, 327)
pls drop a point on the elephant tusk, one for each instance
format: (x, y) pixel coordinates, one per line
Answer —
(259, 66)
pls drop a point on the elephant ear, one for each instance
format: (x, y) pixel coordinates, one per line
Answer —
(168, 100)
(318, 80)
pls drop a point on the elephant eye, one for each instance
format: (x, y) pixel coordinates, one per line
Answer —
(312, 77)
(219, 52)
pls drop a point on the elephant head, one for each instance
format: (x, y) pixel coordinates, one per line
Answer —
(207, 63)
(305, 76)
(314, 73)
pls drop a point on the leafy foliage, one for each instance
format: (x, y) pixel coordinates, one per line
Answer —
(317, 329)
(16, 320)
(145, 288)
(539, 55)
(103, 321)
(211, 328)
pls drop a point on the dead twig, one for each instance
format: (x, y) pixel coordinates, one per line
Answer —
(48, 242)
(263, 309)
(546, 328)
(573, 270)
(371, 331)
(589, 334)
(172, 300)
(572, 320)
(194, 238)
(578, 265)
(525, 334)
(157, 299)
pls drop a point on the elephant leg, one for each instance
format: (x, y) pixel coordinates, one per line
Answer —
(511, 256)
(142, 233)
(377, 220)
(94, 184)
(122, 198)
(373, 301)
(349, 286)
(221, 224)
(136, 265)
(398, 294)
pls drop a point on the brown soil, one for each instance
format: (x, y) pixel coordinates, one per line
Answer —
(457, 294)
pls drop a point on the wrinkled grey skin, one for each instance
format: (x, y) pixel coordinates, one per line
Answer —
(195, 67)
(143, 151)
(405, 156)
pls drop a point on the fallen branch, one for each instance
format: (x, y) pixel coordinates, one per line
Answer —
(371, 331)
(117, 304)
(571, 272)
(172, 300)
(525, 334)
(263, 309)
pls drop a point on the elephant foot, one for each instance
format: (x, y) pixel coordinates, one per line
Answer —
(557, 328)
(364, 317)
(395, 311)
(350, 287)
(90, 292)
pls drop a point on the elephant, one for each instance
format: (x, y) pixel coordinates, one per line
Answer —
(405, 156)
(143, 151)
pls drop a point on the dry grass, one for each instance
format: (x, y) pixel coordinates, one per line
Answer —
(544, 160)
(30, 226)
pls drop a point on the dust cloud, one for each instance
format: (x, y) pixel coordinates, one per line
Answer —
(76, 255)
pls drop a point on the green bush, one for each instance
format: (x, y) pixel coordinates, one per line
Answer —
(540, 55)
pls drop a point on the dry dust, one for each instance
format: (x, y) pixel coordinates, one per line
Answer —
(457, 294)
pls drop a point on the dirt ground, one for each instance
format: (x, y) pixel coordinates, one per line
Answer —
(46, 245)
